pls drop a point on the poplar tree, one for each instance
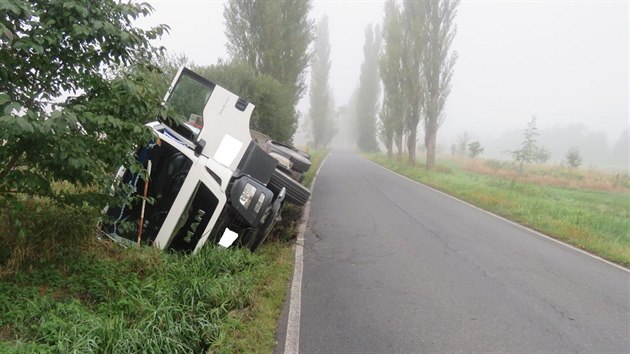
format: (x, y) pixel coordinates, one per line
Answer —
(369, 92)
(321, 111)
(391, 72)
(414, 46)
(438, 61)
(273, 37)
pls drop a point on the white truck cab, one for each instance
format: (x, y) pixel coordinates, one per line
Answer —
(208, 180)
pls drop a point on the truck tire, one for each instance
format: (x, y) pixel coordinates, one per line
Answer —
(305, 154)
(300, 163)
(296, 193)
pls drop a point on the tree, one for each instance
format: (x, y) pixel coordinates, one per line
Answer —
(48, 48)
(273, 38)
(414, 46)
(462, 142)
(369, 91)
(541, 154)
(391, 72)
(475, 149)
(438, 62)
(273, 114)
(574, 157)
(526, 153)
(321, 111)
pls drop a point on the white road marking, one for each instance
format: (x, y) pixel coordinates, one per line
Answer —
(506, 220)
(292, 342)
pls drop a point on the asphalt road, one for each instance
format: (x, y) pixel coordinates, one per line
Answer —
(392, 266)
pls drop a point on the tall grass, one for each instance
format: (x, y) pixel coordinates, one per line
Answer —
(591, 219)
(96, 296)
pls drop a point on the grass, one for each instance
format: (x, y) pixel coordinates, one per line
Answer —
(63, 290)
(253, 329)
(100, 297)
(592, 214)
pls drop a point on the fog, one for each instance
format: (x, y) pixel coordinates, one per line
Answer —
(564, 62)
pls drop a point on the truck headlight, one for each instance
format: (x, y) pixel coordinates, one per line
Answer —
(259, 203)
(247, 195)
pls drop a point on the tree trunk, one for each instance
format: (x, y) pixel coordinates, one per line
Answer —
(390, 143)
(399, 146)
(411, 146)
(430, 145)
(432, 127)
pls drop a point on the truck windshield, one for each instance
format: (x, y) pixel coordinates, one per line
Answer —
(186, 102)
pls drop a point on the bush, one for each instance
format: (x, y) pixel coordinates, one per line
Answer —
(46, 50)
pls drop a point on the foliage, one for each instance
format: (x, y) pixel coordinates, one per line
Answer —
(527, 152)
(272, 37)
(368, 92)
(541, 154)
(49, 49)
(437, 68)
(321, 111)
(417, 68)
(475, 149)
(391, 72)
(273, 114)
(462, 143)
(574, 158)
(414, 45)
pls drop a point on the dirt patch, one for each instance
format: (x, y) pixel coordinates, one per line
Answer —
(554, 176)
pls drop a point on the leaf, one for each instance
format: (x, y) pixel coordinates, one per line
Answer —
(8, 110)
(37, 48)
(4, 98)
(26, 126)
(4, 31)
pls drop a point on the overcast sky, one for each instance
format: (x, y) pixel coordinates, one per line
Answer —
(563, 61)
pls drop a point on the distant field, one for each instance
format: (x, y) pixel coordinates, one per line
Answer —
(588, 209)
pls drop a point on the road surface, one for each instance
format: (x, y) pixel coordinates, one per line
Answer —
(392, 266)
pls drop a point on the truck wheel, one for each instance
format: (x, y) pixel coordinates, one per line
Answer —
(300, 163)
(296, 193)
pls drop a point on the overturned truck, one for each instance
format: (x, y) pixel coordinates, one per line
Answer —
(209, 180)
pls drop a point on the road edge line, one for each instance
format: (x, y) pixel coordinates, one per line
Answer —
(292, 341)
(537, 233)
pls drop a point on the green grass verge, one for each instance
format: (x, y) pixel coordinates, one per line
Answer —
(252, 329)
(102, 298)
(596, 221)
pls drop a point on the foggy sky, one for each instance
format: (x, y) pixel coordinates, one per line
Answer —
(565, 62)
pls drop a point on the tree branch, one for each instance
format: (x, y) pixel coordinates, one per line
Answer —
(11, 164)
